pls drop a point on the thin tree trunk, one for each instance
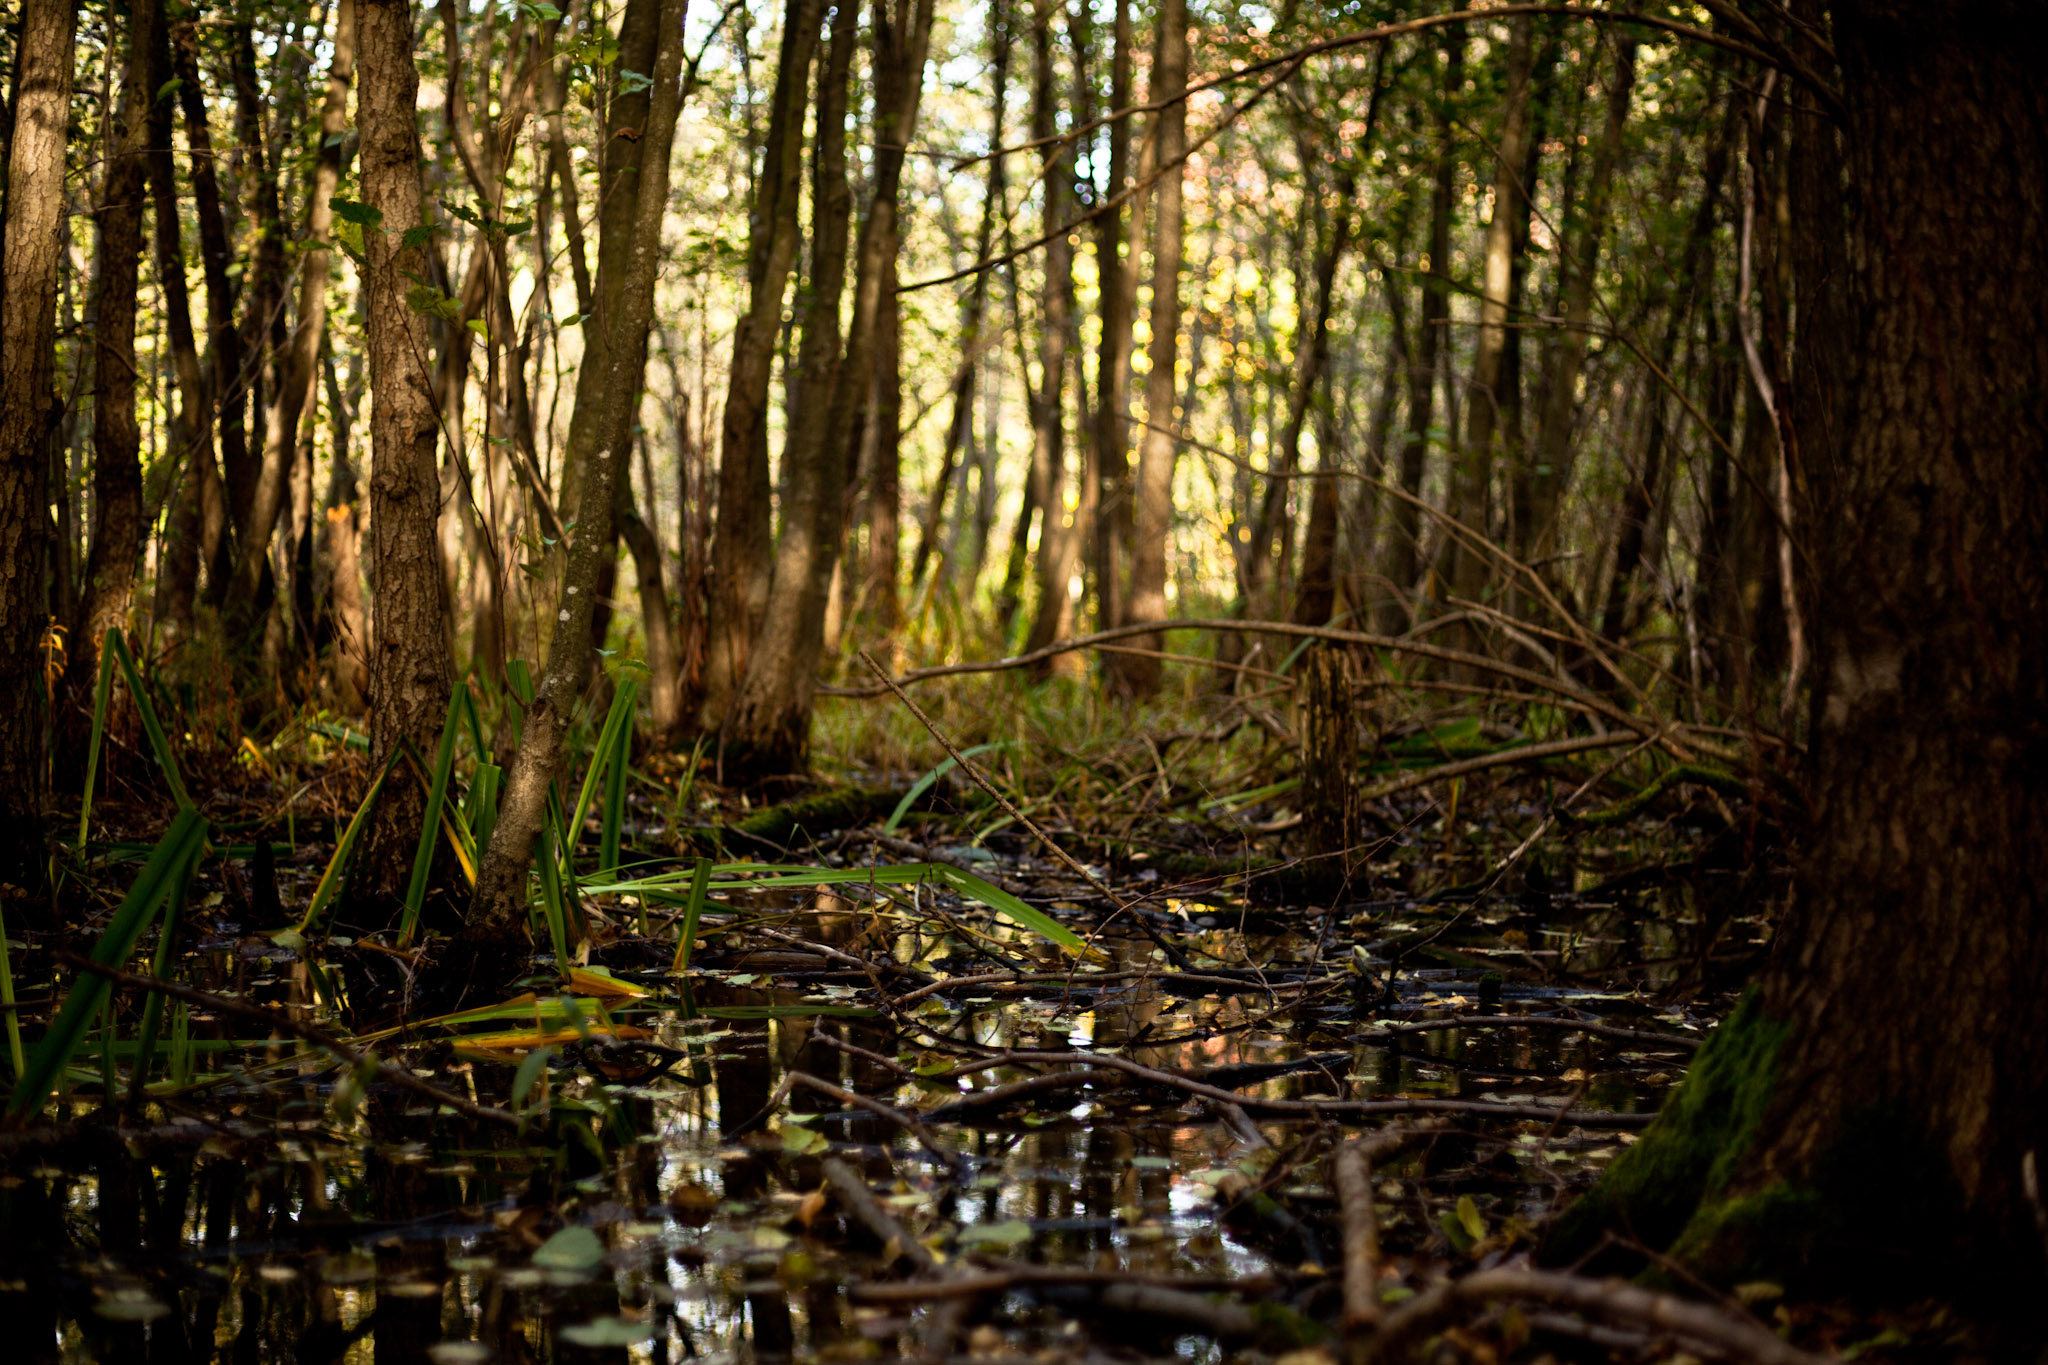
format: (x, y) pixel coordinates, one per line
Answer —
(1472, 493)
(28, 321)
(629, 252)
(1401, 563)
(740, 548)
(959, 430)
(110, 565)
(1048, 407)
(410, 668)
(1140, 673)
(1564, 362)
(885, 477)
(767, 729)
(1116, 277)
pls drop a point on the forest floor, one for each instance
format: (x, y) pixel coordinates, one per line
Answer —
(921, 1088)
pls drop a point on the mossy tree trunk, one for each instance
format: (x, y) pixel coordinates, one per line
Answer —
(1873, 1103)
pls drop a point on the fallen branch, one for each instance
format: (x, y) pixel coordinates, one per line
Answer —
(1737, 1337)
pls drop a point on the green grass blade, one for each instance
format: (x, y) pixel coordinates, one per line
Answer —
(693, 910)
(150, 725)
(621, 714)
(930, 780)
(175, 856)
(330, 880)
(1010, 908)
(613, 829)
(481, 808)
(430, 822)
(101, 691)
(160, 968)
(553, 907)
(14, 1053)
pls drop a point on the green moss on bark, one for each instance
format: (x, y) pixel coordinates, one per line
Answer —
(1686, 1158)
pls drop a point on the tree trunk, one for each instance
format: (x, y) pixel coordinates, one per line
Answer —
(1870, 1110)
(28, 336)
(1116, 276)
(1402, 564)
(740, 548)
(116, 434)
(1048, 406)
(1156, 452)
(1536, 529)
(885, 477)
(410, 668)
(959, 429)
(1472, 490)
(767, 728)
(629, 250)
(301, 359)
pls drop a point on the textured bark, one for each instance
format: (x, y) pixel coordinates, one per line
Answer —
(629, 251)
(1157, 451)
(344, 629)
(410, 668)
(884, 564)
(1565, 353)
(1894, 1063)
(740, 547)
(1472, 488)
(959, 428)
(1116, 273)
(299, 365)
(767, 728)
(1056, 540)
(28, 324)
(116, 434)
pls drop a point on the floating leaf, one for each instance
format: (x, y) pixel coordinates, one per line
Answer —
(608, 1332)
(1009, 1233)
(573, 1248)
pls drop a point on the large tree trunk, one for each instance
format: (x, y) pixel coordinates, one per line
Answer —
(1874, 1103)
(28, 328)
(116, 434)
(1116, 275)
(740, 548)
(410, 668)
(1158, 449)
(629, 257)
(767, 728)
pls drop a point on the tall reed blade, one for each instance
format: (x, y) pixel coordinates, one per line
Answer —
(151, 726)
(101, 690)
(173, 859)
(14, 1053)
(330, 880)
(613, 828)
(430, 821)
(693, 910)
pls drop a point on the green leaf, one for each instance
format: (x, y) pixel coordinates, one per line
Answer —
(1470, 1218)
(1009, 1233)
(601, 1332)
(574, 1248)
(355, 211)
(480, 327)
(930, 779)
(417, 237)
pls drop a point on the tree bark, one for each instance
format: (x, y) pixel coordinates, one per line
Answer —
(741, 545)
(1048, 408)
(1116, 275)
(1140, 673)
(959, 429)
(1472, 490)
(1565, 357)
(631, 246)
(410, 669)
(1867, 1115)
(767, 728)
(28, 334)
(110, 564)
(1402, 563)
